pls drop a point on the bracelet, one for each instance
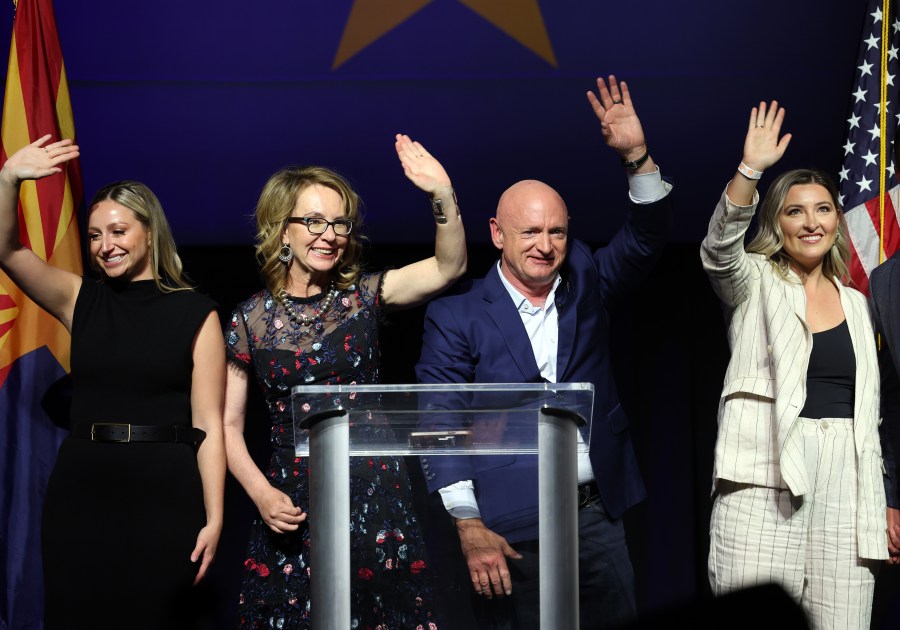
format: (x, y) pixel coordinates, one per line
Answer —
(638, 163)
(749, 173)
(437, 209)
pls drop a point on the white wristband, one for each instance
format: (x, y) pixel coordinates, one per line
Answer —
(748, 172)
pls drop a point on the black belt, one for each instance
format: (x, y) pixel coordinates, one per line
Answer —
(113, 432)
(588, 493)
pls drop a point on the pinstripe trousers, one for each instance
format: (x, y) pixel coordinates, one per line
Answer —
(805, 544)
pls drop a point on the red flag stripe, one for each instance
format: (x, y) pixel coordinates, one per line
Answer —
(40, 65)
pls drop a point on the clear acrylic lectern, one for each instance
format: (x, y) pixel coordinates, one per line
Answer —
(334, 422)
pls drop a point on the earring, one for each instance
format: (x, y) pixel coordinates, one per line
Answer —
(286, 254)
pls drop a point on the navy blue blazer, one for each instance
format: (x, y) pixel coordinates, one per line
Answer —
(884, 302)
(476, 335)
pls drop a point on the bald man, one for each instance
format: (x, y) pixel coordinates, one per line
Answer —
(541, 315)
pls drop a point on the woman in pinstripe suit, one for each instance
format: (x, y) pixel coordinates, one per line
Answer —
(798, 494)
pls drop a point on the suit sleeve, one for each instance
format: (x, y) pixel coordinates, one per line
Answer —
(889, 428)
(446, 358)
(446, 355)
(722, 251)
(632, 253)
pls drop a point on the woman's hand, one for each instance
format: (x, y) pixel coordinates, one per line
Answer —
(35, 161)
(420, 166)
(278, 511)
(762, 147)
(205, 549)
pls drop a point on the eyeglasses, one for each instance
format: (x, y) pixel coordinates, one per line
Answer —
(318, 225)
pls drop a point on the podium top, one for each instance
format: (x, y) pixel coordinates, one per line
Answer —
(442, 419)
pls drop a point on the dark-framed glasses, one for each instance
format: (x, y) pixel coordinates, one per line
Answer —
(318, 225)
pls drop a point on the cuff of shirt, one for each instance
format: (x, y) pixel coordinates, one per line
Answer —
(459, 499)
(647, 187)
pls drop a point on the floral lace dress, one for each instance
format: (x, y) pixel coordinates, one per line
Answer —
(390, 587)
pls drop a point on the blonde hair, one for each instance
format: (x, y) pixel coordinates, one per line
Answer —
(275, 206)
(165, 264)
(769, 239)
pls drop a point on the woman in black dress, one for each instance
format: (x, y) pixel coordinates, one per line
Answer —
(317, 323)
(133, 510)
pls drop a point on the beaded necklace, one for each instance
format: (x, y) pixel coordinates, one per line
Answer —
(302, 319)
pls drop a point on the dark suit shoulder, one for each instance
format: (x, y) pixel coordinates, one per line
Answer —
(882, 272)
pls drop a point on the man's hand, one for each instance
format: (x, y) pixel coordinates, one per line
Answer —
(619, 122)
(893, 532)
(486, 554)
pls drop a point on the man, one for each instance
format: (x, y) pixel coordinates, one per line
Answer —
(884, 302)
(540, 315)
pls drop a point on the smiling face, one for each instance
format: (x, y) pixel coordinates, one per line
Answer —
(119, 242)
(316, 255)
(809, 223)
(531, 230)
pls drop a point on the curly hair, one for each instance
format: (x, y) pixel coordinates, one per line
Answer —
(275, 206)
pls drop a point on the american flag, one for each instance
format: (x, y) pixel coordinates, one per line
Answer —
(869, 148)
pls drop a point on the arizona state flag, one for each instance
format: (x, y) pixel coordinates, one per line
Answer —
(34, 347)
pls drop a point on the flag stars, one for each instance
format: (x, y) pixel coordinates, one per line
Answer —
(870, 157)
(875, 131)
(872, 41)
(890, 170)
(864, 184)
(848, 148)
(896, 26)
(892, 53)
(844, 174)
(854, 121)
(865, 69)
(860, 94)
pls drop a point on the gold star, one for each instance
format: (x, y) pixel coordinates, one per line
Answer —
(370, 20)
(521, 20)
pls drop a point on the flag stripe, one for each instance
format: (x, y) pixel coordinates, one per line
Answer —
(40, 66)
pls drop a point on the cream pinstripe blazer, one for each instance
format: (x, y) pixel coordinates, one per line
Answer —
(765, 383)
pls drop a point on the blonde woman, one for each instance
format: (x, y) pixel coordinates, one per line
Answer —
(317, 322)
(798, 490)
(134, 505)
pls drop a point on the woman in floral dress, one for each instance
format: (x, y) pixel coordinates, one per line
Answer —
(317, 323)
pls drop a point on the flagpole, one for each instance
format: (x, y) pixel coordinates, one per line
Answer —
(882, 124)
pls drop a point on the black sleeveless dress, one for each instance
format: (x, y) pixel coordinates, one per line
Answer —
(120, 520)
(390, 575)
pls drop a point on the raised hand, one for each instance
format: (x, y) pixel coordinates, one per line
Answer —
(619, 123)
(38, 159)
(420, 166)
(762, 147)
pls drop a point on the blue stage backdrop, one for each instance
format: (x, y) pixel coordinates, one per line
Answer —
(204, 100)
